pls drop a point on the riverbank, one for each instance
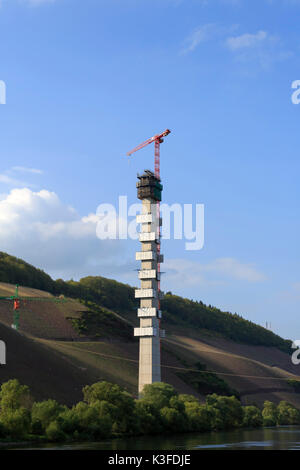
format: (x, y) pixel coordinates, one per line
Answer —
(273, 438)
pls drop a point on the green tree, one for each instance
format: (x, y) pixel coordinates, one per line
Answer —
(54, 432)
(123, 409)
(252, 417)
(43, 413)
(159, 394)
(287, 414)
(269, 414)
(15, 404)
(199, 417)
(13, 395)
(16, 422)
(150, 421)
(173, 420)
(229, 411)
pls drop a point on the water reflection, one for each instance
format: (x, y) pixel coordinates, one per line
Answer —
(281, 438)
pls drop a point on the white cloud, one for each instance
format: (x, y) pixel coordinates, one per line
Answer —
(205, 33)
(8, 180)
(246, 40)
(9, 177)
(199, 35)
(39, 228)
(24, 169)
(186, 273)
(260, 48)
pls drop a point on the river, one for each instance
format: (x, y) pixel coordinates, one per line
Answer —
(281, 438)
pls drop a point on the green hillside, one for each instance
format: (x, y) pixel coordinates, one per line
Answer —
(118, 297)
(90, 336)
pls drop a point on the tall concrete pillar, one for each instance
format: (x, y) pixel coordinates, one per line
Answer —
(149, 313)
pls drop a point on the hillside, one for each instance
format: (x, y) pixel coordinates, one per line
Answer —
(45, 371)
(90, 334)
(119, 298)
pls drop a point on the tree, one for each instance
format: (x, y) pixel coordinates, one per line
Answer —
(54, 432)
(15, 404)
(287, 414)
(13, 396)
(252, 417)
(269, 414)
(16, 422)
(159, 394)
(150, 421)
(173, 420)
(122, 410)
(199, 417)
(43, 413)
(229, 411)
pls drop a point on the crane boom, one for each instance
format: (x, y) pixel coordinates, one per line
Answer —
(157, 139)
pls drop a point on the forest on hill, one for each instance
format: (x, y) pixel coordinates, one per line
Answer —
(119, 297)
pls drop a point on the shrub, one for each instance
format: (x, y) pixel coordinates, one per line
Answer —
(269, 414)
(13, 395)
(122, 410)
(287, 414)
(226, 412)
(15, 422)
(252, 417)
(43, 413)
(54, 433)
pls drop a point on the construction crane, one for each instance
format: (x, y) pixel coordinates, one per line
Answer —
(16, 298)
(157, 139)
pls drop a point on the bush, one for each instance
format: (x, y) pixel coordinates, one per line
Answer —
(269, 414)
(252, 417)
(85, 422)
(149, 418)
(287, 414)
(159, 394)
(15, 423)
(13, 395)
(226, 412)
(122, 405)
(173, 421)
(199, 417)
(54, 432)
(108, 409)
(43, 413)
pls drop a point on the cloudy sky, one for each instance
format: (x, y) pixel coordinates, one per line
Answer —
(87, 81)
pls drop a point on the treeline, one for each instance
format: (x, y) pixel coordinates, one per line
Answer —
(16, 271)
(197, 315)
(108, 410)
(120, 298)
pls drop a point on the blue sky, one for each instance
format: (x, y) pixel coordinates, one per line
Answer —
(87, 81)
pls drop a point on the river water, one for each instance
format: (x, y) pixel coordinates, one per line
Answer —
(283, 438)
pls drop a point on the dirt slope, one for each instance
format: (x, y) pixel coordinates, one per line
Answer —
(259, 374)
(40, 318)
(47, 373)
